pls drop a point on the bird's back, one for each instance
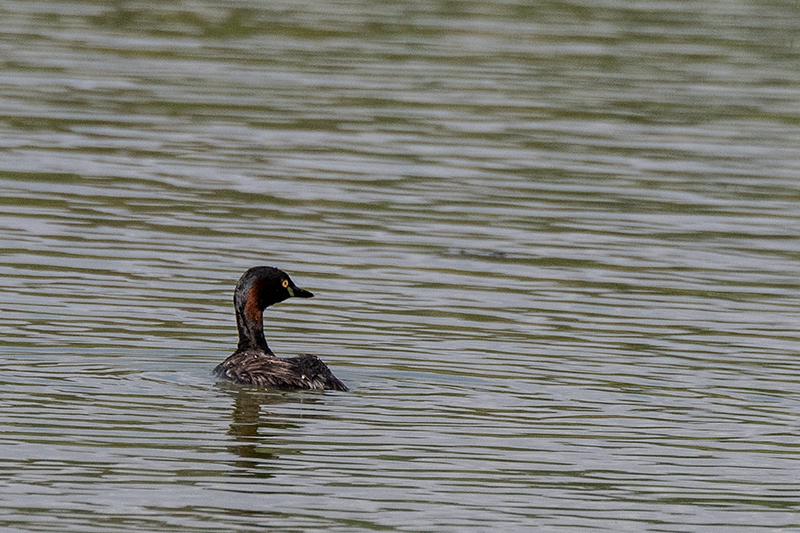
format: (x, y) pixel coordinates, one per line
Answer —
(306, 371)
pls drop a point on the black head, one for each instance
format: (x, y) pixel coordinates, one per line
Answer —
(258, 288)
(262, 286)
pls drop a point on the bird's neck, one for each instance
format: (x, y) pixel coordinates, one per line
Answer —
(251, 331)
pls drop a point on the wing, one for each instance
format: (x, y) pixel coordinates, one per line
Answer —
(304, 372)
(315, 373)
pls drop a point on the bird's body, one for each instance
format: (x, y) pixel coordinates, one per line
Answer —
(253, 363)
(268, 371)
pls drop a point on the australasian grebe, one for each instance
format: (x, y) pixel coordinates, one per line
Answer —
(253, 363)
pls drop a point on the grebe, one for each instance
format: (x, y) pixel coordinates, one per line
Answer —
(253, 363)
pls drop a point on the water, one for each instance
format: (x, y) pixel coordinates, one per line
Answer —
(554, 247)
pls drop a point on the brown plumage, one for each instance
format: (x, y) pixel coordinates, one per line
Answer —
(253, 363)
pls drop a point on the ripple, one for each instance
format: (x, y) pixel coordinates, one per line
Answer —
(554, 250)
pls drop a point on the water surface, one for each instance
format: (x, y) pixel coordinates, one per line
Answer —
(554, 248)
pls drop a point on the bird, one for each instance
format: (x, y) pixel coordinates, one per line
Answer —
(253, 363)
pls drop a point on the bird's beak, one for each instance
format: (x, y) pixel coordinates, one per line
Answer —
(299, 293)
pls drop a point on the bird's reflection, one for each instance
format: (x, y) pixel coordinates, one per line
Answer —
(253, 427)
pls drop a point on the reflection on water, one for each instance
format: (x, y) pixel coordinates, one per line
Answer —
(253, 427)
(554, 248)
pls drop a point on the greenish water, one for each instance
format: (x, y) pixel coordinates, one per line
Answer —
(555, 248)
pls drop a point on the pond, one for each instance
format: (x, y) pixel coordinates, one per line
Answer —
(554, 247)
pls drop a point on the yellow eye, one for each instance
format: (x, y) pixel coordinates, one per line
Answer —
(285, 283)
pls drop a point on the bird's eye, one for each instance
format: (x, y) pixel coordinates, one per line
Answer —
(285, 283)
